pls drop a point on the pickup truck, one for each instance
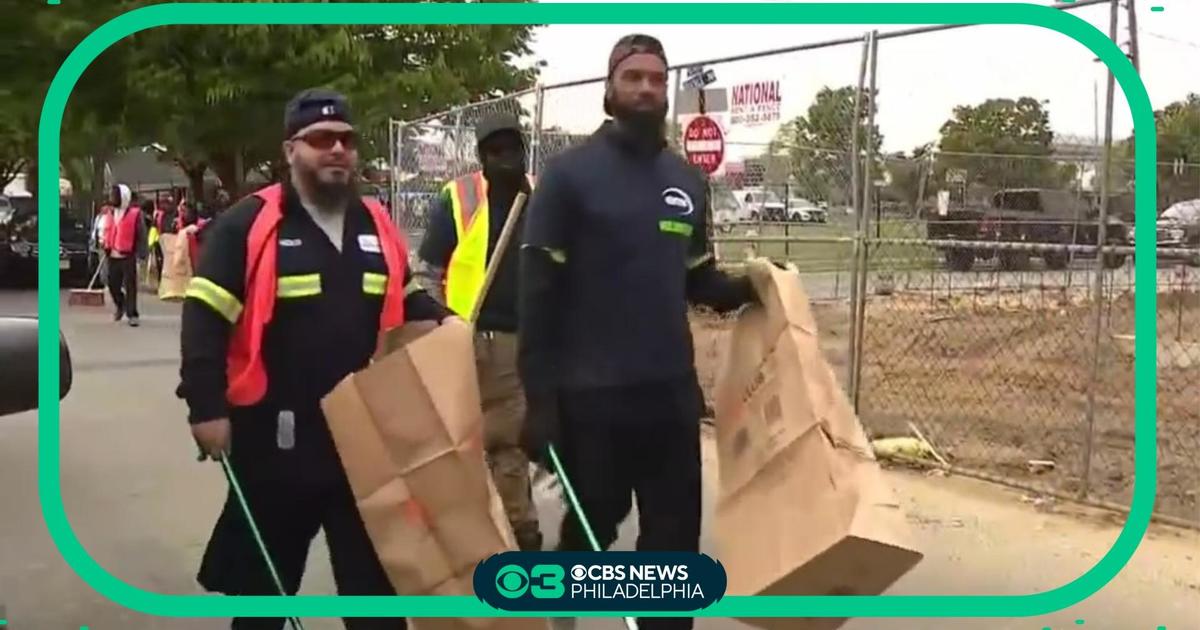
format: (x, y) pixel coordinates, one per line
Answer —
(1178, 227)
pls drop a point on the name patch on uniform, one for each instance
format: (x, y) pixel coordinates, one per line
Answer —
(676, 227)
(369, 243)
(290, 242)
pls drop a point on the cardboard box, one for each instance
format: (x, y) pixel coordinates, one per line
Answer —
(803, 508)
(408, 429)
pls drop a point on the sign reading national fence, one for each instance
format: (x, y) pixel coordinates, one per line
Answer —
(586, 581)
(755, 103)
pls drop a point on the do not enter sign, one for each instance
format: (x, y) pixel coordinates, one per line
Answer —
(704, 144)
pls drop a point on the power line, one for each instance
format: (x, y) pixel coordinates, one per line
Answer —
(1165, 38)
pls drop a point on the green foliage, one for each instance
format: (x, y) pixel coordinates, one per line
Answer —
(819, 144)
(214, 95)
(1178, 126)
(978, 138)
(910, 176)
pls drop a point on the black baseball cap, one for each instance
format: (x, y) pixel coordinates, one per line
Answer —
(495, 123)
(313, 106)
(635, 44)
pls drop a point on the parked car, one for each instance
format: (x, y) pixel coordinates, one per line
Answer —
(19, 247)
(1178, 227)
(761, 205)
(801, 210)
(726, 211)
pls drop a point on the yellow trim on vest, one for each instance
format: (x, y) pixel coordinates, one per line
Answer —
(374, 283)
(468, 263)
(306, 285)
(216, 297)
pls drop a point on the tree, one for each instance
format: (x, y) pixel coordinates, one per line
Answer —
(980, 138)
(819, 145)
(910, 175)
(214, 95)
(225, 86)
(1178, 126)
(37, 40)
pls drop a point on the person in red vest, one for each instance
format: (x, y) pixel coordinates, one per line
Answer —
(294, 285)
(126, 241)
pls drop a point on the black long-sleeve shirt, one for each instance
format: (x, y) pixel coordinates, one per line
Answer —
(326, 317)
(614, 250)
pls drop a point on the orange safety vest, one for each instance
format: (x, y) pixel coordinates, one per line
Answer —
(121, 235)
(245, 369)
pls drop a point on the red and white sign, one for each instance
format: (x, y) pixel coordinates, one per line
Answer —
(755, 103)
(704, 144)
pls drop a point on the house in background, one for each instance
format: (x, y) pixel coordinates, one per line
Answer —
(148, 175)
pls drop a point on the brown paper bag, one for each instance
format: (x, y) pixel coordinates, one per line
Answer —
(409, 432)
(177, 268)
(803, 508)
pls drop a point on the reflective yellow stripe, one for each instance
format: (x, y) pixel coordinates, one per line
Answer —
(374, 283)
(696, 261)
(216, 297)
(298, 286)
(468, 262)
(676, 227)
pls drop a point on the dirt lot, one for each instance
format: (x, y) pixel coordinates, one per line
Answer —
(997, 380)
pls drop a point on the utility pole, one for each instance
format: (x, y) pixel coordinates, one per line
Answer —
(1134, 52)
(1098, 276)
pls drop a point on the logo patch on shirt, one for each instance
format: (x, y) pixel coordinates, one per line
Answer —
(677, 198)
(369, 243)
(290, 242)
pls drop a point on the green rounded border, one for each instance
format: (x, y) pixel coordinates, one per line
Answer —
(725, 13)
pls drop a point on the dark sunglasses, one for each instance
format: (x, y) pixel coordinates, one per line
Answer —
(325, 139)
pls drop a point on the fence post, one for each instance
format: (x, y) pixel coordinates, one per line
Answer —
(855, 184)
(536, 141)
(1098, 277)
(395, 148)
(860, 280)
(676, 134)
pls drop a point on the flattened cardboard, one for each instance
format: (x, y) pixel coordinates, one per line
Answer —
(803, 508)
(177, 268)
(408, 429)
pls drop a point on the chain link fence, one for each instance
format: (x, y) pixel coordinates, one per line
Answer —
(961, 294)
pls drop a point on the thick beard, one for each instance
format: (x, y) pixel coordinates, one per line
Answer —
(646, 126)
(327, 195)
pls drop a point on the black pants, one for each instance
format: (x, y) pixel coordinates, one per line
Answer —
(288, 515)
(635, 442)
(123, 284)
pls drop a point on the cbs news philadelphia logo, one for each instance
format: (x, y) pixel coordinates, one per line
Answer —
(588, 581)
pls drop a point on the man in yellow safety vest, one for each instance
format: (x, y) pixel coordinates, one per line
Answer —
(464, 226)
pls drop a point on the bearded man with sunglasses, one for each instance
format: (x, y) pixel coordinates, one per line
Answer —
(294, 284)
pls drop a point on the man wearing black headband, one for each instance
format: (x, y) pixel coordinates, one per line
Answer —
(260, 350)
(615, 249)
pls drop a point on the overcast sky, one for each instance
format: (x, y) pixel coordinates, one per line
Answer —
(920, 78)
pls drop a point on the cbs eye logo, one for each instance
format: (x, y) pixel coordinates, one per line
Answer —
(544, 581)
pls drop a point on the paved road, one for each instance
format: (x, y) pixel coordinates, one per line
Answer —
(142, 507)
